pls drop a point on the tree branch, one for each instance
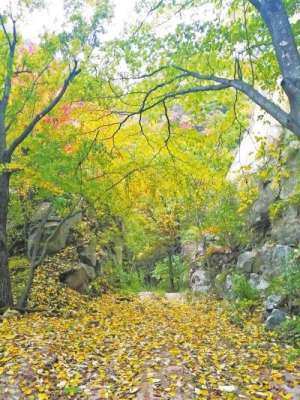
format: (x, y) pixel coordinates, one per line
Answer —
(284, 118)
(9, 72)
(73, 73)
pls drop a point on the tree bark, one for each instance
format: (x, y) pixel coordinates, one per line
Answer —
(171, 273)
(274, 14)
(5, 284)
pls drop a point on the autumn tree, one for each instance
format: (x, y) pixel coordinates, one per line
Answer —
(247, 46)
(26, 71)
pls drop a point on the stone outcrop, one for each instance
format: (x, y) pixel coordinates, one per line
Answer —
(200, 281)
(55, 231)
(78, 278)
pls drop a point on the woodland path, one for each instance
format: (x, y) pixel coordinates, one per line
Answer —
(143, 348)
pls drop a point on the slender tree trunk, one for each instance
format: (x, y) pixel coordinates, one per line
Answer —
(22, 302)
(5, 284)
(171, 273)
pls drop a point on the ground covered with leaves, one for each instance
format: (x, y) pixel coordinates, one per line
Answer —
(120, 347)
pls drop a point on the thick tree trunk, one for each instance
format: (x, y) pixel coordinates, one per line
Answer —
(5, 285)
(275, 17)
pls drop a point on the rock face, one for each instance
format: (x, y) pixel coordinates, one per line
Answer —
(263, 263)
(55, 231)
(262, 127)
(87, 254)
(78, 278)
(286, 229)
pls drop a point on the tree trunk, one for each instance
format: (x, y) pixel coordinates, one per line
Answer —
(6, 299)
(22, 302)
(171, 273)
(275, 17)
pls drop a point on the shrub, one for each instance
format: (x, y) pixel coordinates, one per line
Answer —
(290, 332)
(163, 271)
(242, 290)
(288, 283)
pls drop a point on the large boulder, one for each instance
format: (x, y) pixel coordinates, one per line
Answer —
(200, 281)
(78, 278)
(55, 232)
(41, 212)
(268, 260)
(246, 261)
(259, 213)
(275, 318)
(258, 282)
(192, 250)
(87, 253)
(273, 301)
(263, 128)
(273, 259)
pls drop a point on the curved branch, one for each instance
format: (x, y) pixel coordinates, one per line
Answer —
(284, 118)
(29, 128)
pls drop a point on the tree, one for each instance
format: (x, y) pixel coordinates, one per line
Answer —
(262, 31)
(54, 64)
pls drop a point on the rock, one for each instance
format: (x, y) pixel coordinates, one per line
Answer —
(146, 295)
(246, 261)
(273, 301)
(78, 278)
(260, 209)
(258, 282)
(289, 184)
(286, 228)
(60, 232)
(228, 388)
(87, 254)
(200, 281)
(41, 212)
(10, 313)
(228, 283)
(275, 318)
(175, 297)
(273, 259)
(59, 240)
(192, 250)
(263, 128)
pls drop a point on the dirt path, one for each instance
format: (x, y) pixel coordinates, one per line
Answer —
(142, 348)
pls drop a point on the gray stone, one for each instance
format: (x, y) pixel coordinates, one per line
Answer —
(200, 281)
(228, 283)
(260, 208)
(59, 233)
(41, 212)
(87, 253)
(90, 271)
(10, 313)
(246, 261)
(60, 238)
(272, 301)
(286, 229)
(275, 318)
(192, 250)
(274, 259)
(258, 282)
(78, 278)
(289, 184)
